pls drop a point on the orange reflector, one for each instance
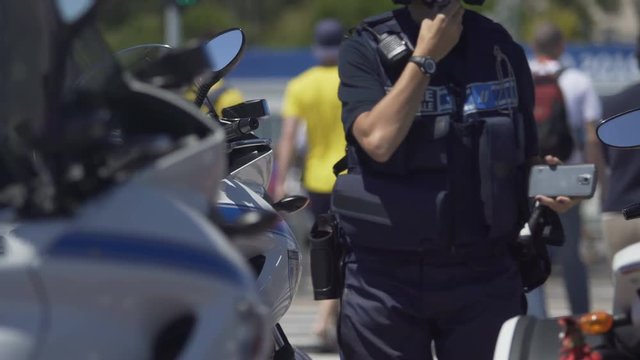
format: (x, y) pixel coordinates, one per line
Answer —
(596, 323)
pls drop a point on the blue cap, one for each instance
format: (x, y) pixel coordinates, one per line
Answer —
(328, 35)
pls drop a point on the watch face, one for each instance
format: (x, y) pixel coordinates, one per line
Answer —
(429, 66)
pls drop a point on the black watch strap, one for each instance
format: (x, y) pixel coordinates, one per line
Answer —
(426, 64)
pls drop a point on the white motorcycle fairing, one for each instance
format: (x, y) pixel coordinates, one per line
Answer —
(135, 273)
(274, 254)
(626, 294)
(526, 337)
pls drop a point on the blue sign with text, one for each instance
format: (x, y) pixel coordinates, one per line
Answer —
(611, 66)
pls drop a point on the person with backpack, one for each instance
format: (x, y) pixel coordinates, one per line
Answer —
(437, 107)
(566, 105)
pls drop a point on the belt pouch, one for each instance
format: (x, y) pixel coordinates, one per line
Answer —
(326, 275)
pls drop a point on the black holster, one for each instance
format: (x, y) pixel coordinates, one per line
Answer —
(530, 249)
(326, 258)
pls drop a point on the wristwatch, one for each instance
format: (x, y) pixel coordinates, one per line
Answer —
(426, 64)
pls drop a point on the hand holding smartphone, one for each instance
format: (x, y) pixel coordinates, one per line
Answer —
(574, 181)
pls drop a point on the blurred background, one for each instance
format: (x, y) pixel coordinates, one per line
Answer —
(601, 33)
(601, 37)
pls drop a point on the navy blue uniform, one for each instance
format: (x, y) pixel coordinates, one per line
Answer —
(429, 259)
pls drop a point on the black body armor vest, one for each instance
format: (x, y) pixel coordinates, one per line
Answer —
(458, 179)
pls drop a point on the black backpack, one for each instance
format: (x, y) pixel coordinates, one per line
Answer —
(554, 132)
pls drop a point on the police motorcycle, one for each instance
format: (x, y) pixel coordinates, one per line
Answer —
(107, 250)
(595, 335)
(274, 253)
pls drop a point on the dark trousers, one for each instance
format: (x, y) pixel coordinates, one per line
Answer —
(393, 308)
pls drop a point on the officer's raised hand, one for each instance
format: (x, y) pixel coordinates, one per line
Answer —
(381, 130)
(440, 33)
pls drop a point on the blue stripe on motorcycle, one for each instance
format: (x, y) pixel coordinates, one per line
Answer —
(628, 269)
(139, 250)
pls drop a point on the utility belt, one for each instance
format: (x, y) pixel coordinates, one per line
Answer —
(330, 249)
(472, 257)
(330, 246)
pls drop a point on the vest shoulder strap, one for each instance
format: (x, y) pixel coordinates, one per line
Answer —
(381, 24)
(377, 19)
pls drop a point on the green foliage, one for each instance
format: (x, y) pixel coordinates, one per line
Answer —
(186, 2)
(203, 21)
(295, 24)
(572, 16)
(574, 26)
(488, 6)
(289, 23)
(122, 30)
(127, 23)
(609, 5)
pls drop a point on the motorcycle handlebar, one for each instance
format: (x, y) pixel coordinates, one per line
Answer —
(631, 212)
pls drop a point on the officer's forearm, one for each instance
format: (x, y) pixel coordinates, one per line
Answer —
(381, 130)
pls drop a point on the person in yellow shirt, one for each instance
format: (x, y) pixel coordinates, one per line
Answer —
(223, 96)
(312, 98)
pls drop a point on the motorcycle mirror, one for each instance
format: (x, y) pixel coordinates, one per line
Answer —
(291, 204)
(621, 131)
(223, 51)
(248, 224)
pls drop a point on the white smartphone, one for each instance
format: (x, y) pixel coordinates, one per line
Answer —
(577, 181)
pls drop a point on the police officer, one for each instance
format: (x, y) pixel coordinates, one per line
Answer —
(437, 109)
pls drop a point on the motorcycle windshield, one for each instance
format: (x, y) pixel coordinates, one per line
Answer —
(90, 64)
(136, 58)
(130, 59)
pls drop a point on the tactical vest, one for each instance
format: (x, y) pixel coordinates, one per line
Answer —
(458, 178)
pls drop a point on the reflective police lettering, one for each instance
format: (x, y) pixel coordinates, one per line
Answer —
(437, 101)
(493, 95)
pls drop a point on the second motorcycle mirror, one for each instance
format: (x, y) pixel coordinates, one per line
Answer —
(621, 131)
